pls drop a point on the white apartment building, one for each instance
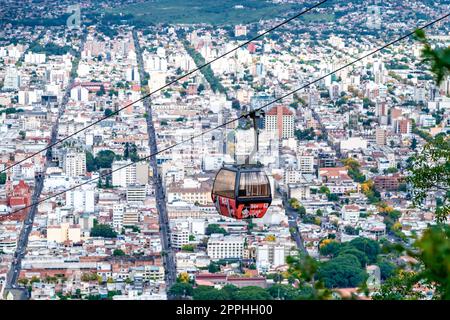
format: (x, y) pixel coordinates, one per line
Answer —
(271, 255)
(27, 97)
(130, 217)
(79, 93)
(123, 177)
(292, 176)
(299, 191)
(35, 58)
(306, 163)
(179, 236)
(350, 213)
(75, 164)
(117, 219)
(383, 164)
(200, 194)
(280, 119)
(12, 79)
(225, 247)
(136, 193)
(81, 200)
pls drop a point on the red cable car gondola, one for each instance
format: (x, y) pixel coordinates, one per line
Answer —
(243, 191)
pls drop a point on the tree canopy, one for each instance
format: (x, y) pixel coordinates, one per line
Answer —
(430, 172)
(103, 230)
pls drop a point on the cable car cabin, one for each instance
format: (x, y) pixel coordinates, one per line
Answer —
(242, 192)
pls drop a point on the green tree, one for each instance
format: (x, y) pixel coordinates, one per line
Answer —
(188, 247)
(90, 162)
(104, 159)
(103, 230)
(438, 58)
(387, 269)
(324, 190)
(344, 271)
(333, 197)
(353, 169)
(215, 228)
(118, 253)
(213, 268)
(201, 87)
(430, 173)
(283, 292)
(361, 256)
(307, 134)
(2, 178)
(252, 293)
(108, 112)
(209, 293)
(101, 92)
(181, 290)
(330, 249)
(370, 247)
(230, 290)
(399, 287)
(301, 211)
(414, 143)
(434, 253)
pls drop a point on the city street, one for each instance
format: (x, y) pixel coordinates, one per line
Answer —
(14, 272)
(168, 255)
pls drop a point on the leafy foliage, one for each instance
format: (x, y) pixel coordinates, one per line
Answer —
(343, 271)
(104, 159)
(118, 252)
(2, 178)
(430, 172)
(438, 58)
(435, 255)
(307, 134)
(353, 169)
(103, 230)
(399, 287)
(206, 71)
(214, 228)
(181, 289)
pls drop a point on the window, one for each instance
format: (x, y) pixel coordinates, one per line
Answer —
(254, 184)
(224, 184)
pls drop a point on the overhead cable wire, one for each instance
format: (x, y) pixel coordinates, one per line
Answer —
(241, 116)
(284, 22)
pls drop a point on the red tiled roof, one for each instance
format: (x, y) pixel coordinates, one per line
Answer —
(285, 111)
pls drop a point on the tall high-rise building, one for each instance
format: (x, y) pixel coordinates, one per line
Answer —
(280, 119)
(75, 163)
(130, 217)
(123, 177)
(79, 93)
(117, 219)
(306, 163)
(380, 136)
(403, 126)
(12, 79)
(136, 193)
(81, 200)
(379, 71)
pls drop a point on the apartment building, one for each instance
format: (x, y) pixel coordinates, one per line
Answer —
(75, 163)
(280, 119)
(225, 247)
